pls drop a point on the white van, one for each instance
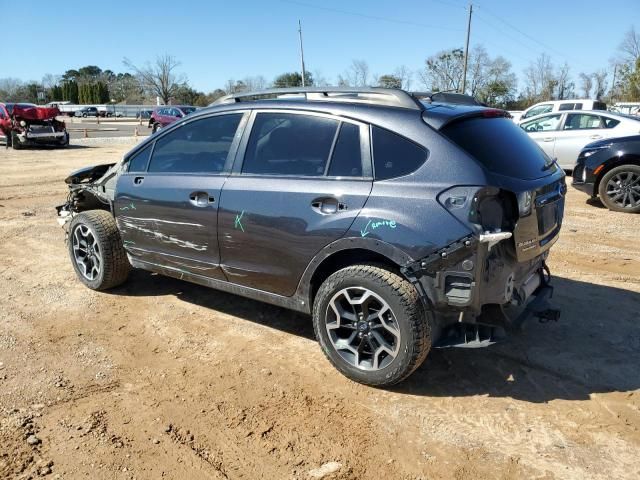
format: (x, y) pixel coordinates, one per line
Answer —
(559, 106)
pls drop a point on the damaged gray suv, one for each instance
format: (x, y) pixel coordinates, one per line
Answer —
(399, 221)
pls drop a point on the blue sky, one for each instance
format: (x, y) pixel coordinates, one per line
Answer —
(218, 40)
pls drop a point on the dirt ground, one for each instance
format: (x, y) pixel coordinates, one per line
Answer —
(163, 379)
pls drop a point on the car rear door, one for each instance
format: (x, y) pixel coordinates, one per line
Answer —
(578, 129)
(302, 181)
(543, 131)
(166, 204)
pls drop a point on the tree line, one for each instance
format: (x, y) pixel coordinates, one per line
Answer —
(490, 79)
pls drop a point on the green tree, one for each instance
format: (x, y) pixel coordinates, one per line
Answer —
(389, 81)
(292, 79)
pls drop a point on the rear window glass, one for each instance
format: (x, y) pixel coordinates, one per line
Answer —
(394, 156)
(347, 159)
(599, 106)
(501, 146)
(610, 122)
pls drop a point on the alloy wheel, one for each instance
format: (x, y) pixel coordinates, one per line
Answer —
(362, 328)
(86, 252)
(624, 189)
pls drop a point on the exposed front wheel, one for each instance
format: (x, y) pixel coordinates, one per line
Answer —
(619, 189)
(96, 250)
(371, 325)
(156, 127)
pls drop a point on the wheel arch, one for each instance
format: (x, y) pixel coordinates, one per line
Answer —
(627, 159)
(343, 253)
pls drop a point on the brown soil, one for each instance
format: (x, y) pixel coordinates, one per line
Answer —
(161, 378)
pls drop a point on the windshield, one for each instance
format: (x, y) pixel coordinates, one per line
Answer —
(501, 146)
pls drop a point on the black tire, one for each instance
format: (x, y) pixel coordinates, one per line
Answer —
(65, 141)
(84, 115)
(407, 312)
(619, 189)
(114, 265)
(15, 141)
(156, 127)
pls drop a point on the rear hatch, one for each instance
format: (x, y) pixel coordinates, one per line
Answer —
(518, 166)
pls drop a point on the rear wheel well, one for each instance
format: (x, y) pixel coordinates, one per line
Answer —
(617, 162)
(346, 258)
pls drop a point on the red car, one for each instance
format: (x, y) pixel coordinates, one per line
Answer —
(25, 124)
(167, 114)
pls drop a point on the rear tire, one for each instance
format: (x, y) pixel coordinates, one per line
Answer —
(371, 325)
(156, 127)
(96, 250)
(619, 189)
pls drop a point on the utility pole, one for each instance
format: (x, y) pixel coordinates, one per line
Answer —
(466, 50)
(613, 84)
(304, 74)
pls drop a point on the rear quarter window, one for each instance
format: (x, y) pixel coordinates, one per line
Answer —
(394, 155)
(500, 146)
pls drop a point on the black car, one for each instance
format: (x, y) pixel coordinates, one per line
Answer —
(610, 169)
(397, 224)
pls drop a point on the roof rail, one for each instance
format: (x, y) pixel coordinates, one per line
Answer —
(372, 95)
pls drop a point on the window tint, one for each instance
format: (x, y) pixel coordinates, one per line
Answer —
(502, 147)
(581, 121)
(198, 146)
(138, 163)
(578, 106)
(539, 110)
(544, 124)
(567, 106)
(609, 122)
(346, 160)
(394, 156)
(289, 144)
(599, 106)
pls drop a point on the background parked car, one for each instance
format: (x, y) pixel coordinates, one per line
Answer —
(163, 116)
(559, 106)
(87, 112)
(562, 135)
(610, 169)
(628, 108)
(144, 114)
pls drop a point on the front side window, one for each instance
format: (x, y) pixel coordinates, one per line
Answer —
(289, 144)
(394, 156)
(138, 163)
(539, 110)
(544, 124)
(582, 121)
(201, 146)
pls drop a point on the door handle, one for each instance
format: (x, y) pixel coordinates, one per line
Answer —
(595, 137)
(201, 199)
(328, 205)
(138, 180)
(548, 139)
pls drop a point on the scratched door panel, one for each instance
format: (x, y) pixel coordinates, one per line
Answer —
(269, 228)
(160, 223)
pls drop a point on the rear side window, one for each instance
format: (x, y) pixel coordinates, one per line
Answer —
(138, 163)
(346, 160)
(394, 156)
(289, 144)
(599, 106)
(500, 146)
(609, 122)
(201, 146)
(567, 106)
(581, 121)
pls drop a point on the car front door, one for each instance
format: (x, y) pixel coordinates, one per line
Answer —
(543, 131)
(5, 122)
(166, 203)
(578, 130)
(302, 181)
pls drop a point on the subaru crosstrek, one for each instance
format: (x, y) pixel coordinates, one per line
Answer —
(398, 223)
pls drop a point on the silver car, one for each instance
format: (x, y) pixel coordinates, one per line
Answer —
(562, 135)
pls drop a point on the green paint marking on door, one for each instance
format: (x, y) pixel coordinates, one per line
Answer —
(238, 223)
(377, 224)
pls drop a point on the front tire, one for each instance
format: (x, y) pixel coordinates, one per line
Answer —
(156, 127)
(15, 141)
(371, 325)
(619, 189)
(96, 250)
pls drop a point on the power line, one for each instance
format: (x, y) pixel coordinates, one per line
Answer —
(371, 17)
